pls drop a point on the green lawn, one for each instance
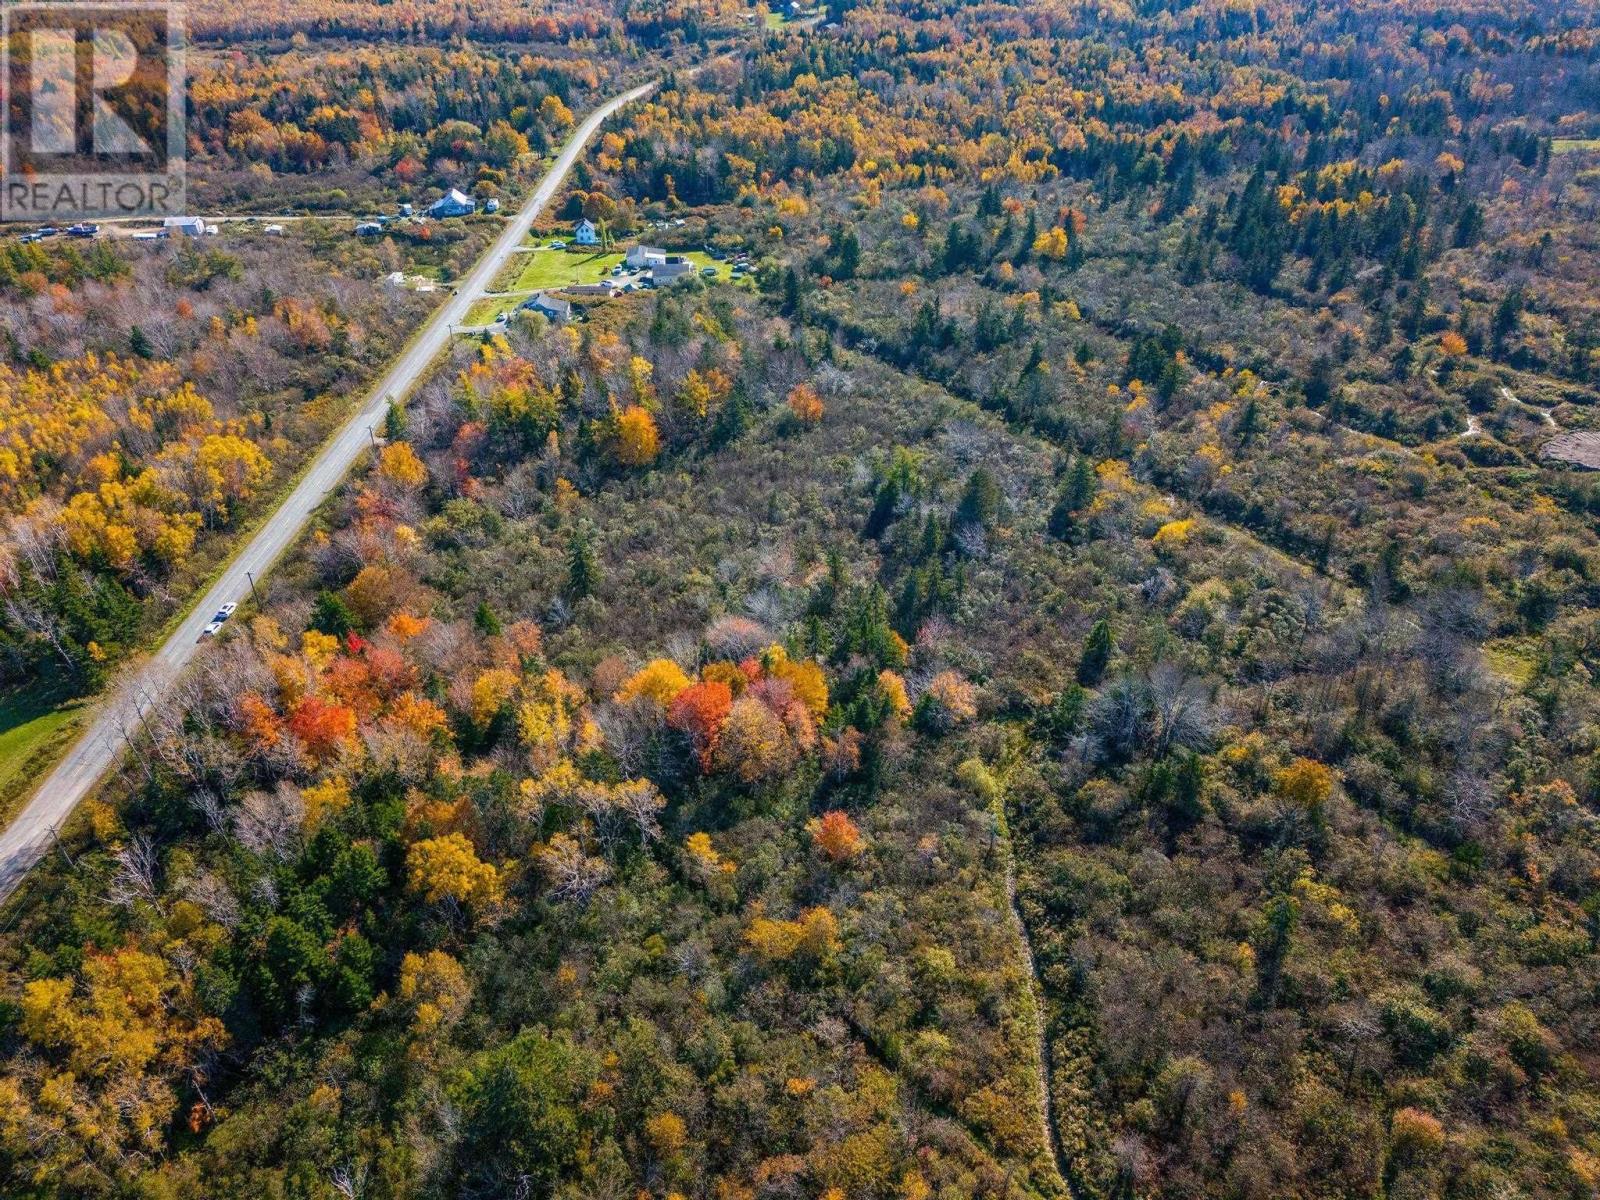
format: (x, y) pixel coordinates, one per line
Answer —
(551, 270)
(777, 19)
(1573, 145)
(35, 724)
(1514, 659)
(485, 311)
(545, 268)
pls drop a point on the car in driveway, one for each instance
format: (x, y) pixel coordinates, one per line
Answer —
(217, 619)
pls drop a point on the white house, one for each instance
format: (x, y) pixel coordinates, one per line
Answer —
(369, 229)
(491, 205)
(454, 203)
(645, 256)
(186, 226)
(586, 234)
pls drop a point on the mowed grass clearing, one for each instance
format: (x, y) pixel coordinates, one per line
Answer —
(1573, 145)
(546, 270)
(35, 725)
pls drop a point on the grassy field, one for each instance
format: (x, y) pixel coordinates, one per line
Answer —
(485, 311)
(35, 725)
(1514, 659)
(780, 18)
(545, 268)
(552, 270)
(1573, 145)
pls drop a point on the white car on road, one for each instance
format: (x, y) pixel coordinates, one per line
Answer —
(221, 615)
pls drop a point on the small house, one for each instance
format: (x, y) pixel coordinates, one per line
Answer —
(273, 230)
(605, 287)
(586, 234)
(670, 272)
(369, 229)
(546, 305)
(641, 256)
(184, 226)
(454, 203)
(491, 205)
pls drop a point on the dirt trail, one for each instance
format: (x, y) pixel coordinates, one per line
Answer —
(1545, 414)
(1042, 1077)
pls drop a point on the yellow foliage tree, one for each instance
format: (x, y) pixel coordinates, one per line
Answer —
(490, 691)
(399, 464)
(448, 868)
(660, 680)
(814, 934)
(1052, 243)
(436, 989)
(638, 441)
(1304, 784)
(125, 1033)
(805, 677)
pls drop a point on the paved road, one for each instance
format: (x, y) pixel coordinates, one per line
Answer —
(29, 837)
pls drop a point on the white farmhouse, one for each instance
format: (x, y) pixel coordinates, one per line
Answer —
(641, 256)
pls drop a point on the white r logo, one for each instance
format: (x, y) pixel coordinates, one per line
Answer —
(53, 67)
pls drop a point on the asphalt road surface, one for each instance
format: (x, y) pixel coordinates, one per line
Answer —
(30, 836)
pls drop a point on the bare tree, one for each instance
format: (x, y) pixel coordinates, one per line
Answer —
(134, 880)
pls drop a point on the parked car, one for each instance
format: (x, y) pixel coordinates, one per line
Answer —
(558, 245)
(709, 272)
(217, 619)
(85, 230)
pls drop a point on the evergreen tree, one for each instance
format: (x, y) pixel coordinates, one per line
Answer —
(981, 501)
(394, 422)
(1097, 650)
(331, 615)
(583, 566)
(485, 621)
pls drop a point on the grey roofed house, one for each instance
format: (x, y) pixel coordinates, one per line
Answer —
(671, 272)
(553, 307)
(644, 256)
(454, 203)
(188, 226)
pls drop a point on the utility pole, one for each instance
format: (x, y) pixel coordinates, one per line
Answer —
(56, 838)
(254, 595)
